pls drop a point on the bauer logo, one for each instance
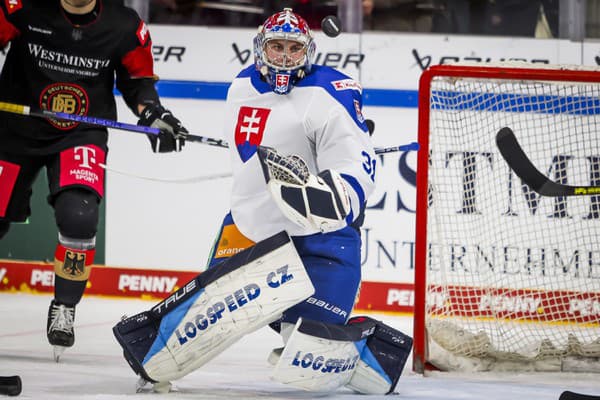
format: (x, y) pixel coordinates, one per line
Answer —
(168, 53)
(327, 307)
(425, 61)
(325, 365)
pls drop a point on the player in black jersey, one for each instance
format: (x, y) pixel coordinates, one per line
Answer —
(66, 56)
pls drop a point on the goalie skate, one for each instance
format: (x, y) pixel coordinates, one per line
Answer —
(142, 386)
(60, 327)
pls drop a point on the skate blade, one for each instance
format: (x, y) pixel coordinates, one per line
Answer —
(275, 355)
(163, 387)
(58, 350)
(142, 386)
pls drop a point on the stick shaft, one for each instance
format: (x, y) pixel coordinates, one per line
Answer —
(25, 110)
(107, 123)
(405, 147)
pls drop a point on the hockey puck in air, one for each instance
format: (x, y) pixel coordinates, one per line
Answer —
(331, 26)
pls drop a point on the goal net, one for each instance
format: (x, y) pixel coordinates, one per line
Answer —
(506, 278)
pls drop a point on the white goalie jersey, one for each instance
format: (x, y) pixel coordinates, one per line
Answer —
(320, 120)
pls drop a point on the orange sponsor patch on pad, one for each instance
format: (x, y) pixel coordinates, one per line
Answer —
(231, 242)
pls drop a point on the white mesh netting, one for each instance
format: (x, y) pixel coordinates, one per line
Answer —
(290, 169)
(513, 278)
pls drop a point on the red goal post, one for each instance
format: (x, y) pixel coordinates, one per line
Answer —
(506, 278)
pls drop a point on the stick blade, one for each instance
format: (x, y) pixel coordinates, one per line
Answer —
(10, 385)
(519, 162)
(568, 395)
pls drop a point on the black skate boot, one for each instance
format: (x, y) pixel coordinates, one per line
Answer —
(60, 327)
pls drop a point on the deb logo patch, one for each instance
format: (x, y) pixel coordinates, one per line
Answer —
(13, 5)
(64, 98)
(142, 33)
(249, 130)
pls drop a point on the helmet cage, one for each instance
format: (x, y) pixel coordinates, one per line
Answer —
(285, 26)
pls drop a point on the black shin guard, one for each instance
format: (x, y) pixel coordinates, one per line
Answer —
(68, 292)
(4, 227)
(76, 212)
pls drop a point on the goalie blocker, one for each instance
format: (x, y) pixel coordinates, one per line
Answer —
(211, 312)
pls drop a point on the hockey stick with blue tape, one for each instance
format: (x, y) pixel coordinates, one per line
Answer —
(107, 123)
(522, 166)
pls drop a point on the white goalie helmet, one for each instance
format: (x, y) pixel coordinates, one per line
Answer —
(283, 50)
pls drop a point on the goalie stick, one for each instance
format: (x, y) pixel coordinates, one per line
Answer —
(412, 146)
(568, 395)
(107, 123)
(519, 162)
(10, 385)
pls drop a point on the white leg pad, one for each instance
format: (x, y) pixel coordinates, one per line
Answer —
(207, 316)
(316, 364)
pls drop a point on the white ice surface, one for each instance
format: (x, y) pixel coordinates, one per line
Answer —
(95, 368)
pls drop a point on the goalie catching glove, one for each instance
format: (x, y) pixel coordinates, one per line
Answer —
(172, 133)
(313, 202)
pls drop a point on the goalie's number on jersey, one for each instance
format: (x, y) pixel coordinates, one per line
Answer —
(369, 165)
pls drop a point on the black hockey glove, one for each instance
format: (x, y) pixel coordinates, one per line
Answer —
(172, 133)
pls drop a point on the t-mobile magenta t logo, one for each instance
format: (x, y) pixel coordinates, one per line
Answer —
(86, 155)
